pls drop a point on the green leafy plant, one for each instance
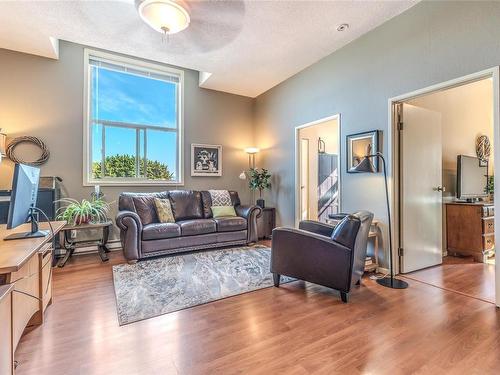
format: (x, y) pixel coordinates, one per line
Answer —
(490, 185)
(124, 166)
(259, 180)
(76, 213)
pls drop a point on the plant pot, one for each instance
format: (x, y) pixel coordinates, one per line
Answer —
(261, 203)
(85, 219)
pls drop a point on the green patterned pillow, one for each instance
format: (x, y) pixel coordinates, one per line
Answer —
(164, 210)
(223, 211)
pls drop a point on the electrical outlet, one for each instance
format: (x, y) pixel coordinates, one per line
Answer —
(73, 234)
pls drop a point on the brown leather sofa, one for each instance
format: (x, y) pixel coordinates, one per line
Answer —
(143, 236)
(323, 254)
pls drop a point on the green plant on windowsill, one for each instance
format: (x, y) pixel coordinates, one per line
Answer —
(83, 212)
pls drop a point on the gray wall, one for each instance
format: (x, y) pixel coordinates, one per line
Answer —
(428, 44)
(44, 98)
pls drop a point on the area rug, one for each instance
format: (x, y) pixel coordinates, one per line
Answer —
(163, 285)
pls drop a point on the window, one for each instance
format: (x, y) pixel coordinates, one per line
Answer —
(133, 127)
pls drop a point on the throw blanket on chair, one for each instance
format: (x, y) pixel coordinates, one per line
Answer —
(220, 198)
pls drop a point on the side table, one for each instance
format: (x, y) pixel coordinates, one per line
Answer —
(371, 263)
(70, 244)
(266, 222)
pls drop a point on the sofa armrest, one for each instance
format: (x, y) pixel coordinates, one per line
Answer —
(311, 257)
(251, 213)
(317, 227)
(130, 234)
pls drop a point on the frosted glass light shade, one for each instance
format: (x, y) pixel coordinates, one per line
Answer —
(165, 16)
(252, 150)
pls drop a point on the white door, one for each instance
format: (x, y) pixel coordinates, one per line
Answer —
(421, 188)
(304, 179)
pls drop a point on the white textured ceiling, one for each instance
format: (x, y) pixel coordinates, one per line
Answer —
(247, 46)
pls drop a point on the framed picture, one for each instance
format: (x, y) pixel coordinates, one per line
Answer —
(361, 144)
(206, 160)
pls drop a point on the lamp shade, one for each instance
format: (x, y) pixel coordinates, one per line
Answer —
(365, 165)
(252, 150)
(3, 137)
(165, 16)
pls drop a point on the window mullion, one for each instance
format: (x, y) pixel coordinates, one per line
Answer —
(103, 152)
(137, 152)
(145, 161)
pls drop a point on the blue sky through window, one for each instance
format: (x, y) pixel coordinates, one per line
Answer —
(123, 97)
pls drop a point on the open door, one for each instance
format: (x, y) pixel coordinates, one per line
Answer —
(420, 188)
(304, 179)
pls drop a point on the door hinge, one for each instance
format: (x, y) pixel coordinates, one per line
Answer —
(401, 251)
(400, 125)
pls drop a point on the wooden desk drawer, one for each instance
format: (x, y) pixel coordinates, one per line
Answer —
(6, 354)
(26, 280)
(488, 242)
(489, 226)
(46, 282)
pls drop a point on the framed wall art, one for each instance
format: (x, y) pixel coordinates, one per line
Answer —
(361, 144)
(206, 160)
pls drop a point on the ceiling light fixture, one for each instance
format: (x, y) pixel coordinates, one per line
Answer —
(343, 27)
(164, 16)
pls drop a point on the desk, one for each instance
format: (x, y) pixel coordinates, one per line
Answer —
(6, 354)
(25, 266)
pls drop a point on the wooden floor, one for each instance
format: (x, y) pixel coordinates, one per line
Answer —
(296, 329)
(462, 275)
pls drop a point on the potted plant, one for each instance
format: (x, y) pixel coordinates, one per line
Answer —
(76, 213)
(259, 180)
(490, 187)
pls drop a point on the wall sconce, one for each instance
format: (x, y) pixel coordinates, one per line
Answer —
(251, 151)
(3, 137)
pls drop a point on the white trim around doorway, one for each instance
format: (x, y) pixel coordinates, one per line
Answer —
(494, 74)
(297, 161)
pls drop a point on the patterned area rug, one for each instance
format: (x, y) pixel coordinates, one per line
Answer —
(159, 286)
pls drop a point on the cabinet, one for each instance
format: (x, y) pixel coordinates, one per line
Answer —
(470, 229)
(266, 223)
(25, 268)
(6, 353)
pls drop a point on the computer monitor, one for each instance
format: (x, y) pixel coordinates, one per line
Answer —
(472, 177)
(23, 202)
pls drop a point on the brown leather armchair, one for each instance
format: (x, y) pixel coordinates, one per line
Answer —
(323, 254)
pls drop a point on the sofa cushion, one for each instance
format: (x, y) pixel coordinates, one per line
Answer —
(164, 210)
(186, 204)
(158, 231)
(206, 200)
(145, 207)
(223, 211)
(230, 224)
(197, 226)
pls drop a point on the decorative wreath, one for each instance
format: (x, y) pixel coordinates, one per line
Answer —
(483, 147)
(33, 140)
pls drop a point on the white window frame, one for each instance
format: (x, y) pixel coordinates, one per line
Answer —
(88, 179)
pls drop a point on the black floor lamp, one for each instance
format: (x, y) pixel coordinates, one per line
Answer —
(366, 166)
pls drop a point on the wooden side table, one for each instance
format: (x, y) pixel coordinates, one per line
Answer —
(374, 233)
(266, 223)
(70, 244)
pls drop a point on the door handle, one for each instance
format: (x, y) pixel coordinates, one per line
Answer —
(439, 188)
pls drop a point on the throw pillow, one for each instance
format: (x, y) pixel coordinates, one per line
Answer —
(220, 198)
(164, 210)
(223, 211)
